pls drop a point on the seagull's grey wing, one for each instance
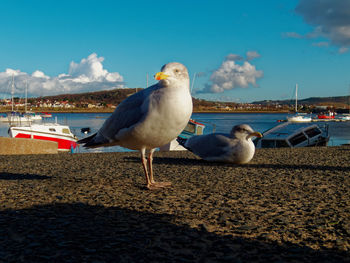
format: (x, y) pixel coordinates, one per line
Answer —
(127, 114)
(210, 145)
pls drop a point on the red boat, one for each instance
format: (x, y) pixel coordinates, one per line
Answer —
(49, 132)
(46, 115)
(330, 115)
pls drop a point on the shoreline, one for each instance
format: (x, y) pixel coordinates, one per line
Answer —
(285, 205)
(112, 110)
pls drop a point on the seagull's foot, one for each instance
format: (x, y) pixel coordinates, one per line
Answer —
(158, 185)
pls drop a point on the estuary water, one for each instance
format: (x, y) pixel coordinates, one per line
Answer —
(218, 122)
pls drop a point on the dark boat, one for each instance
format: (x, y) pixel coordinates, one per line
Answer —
(85, 130)
(294, 135)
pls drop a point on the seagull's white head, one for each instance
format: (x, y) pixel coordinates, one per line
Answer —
(173, 72)
(244, 131)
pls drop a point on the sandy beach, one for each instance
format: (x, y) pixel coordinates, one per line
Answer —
(286, 205)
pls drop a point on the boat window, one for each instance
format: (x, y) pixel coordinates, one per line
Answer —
(52, 129)
(299, 138)
(273, 143)
(268, 144)
(190, 127)
(65, 130)
(313, 132)
(281, 143)
(199, 130)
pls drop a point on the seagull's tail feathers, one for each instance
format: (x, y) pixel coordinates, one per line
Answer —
(182, 142)
(86, 139)
(93, 141)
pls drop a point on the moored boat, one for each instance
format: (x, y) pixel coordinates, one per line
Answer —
(299, 118)
(46, 115)
(294, 135)
(345, 118)
(329, 115)
(47, 131)
(17, 118)
(14, 118)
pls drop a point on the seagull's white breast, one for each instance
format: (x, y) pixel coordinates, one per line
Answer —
(168, 111)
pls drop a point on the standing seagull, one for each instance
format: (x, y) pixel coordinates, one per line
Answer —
(149, 118)
(236, 147)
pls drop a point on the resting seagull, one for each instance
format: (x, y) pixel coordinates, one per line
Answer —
(149, 118)
(236, 147)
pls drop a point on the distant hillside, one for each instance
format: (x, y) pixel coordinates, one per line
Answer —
(113, 97)
(116, 96)
(105, 97)
(309, 101)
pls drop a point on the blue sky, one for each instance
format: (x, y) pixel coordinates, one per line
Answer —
(240, 51)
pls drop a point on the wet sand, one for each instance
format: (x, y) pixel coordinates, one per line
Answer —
(286, 205)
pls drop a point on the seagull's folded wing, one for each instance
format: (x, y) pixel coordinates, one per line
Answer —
(127, 114)
(209, 145)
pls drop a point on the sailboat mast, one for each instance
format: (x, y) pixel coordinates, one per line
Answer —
(193, 79)
(349, 99)
(25, 105)
(296, 97)
(12, 91)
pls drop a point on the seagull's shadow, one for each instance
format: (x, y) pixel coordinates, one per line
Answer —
(85, 233)
(12, 176)
(195, 162)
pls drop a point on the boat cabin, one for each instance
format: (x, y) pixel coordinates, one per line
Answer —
(192, 128)
(293, 135)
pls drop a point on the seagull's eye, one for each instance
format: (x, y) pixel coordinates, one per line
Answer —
(241, 130)
(176, 71)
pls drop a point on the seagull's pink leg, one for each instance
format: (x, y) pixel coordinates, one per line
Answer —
(150, 167)
(144, 165)
(154, 185)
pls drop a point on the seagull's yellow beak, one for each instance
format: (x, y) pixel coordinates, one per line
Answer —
(256, 134)
(161, 75)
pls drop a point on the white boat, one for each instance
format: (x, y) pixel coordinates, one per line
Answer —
(345, 118)
(16, 118)
(47, 131)
(192, 128)
(33, 116)
(298, 117)
(294, 135)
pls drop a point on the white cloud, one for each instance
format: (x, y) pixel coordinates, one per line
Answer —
(252, 54)
(321, 44)
(12, 72)
(39, 74)
(292, 35)
(91, 69)
(331, 19)
(234, 57)
(343, 50)
(85, 76)
(231, 75)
